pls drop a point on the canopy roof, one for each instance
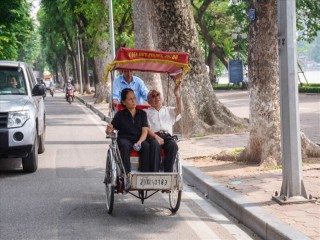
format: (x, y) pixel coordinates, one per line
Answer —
(173, 63)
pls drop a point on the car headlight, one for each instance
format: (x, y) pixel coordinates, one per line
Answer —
(17, 119)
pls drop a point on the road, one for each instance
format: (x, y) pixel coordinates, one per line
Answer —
(65, 198)
(309, 110)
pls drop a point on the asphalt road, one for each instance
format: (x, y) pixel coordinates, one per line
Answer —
(65, 198)
(309, 110)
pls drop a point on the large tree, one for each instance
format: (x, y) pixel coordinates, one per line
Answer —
(174, 30)
(264, 142)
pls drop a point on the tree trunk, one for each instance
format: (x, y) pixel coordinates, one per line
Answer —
(86, 86)
(176, 31)
(265, 142)
(211, 63)
(145, 39)
(75, 73)
(102, 88)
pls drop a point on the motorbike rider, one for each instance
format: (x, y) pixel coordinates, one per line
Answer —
(42, 82)
(67, 86)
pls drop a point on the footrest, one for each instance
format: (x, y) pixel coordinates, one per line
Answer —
(153, 181)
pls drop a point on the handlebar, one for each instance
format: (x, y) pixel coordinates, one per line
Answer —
(113, 135)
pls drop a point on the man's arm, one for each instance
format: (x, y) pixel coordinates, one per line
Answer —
(143, 90)
(116, 89)
(177, 95)
(116, 92)
(155, 136)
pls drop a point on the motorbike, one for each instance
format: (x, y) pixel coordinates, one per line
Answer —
(69, 94)
(51, 91)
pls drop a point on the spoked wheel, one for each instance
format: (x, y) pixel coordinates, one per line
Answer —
(175, 199)
(108, 184)
(175, 194)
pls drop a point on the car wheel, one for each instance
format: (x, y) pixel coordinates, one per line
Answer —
(30, 163)
(42, 141)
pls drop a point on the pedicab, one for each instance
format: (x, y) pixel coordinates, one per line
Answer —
(144, 184)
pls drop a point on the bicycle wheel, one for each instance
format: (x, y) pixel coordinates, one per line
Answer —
(108, 183)
(175, 194)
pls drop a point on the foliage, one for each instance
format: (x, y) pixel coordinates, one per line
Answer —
(17, 41)
(308, 19)
(310, 50)
(123, 23)
(311, 88)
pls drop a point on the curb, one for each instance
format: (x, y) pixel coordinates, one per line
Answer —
(95, 110)
(254, 217)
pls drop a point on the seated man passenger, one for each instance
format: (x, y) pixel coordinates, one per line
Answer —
(132, 126)
(161, 120)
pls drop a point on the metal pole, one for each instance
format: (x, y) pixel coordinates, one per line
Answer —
(292, 190)
(113, 52)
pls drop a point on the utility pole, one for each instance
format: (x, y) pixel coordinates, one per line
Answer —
(292, 190)
(113, 53)
(111, 29)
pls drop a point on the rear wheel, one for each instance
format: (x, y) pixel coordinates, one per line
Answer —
(69, 99)
(30, 163)
(108, 184)
(175, 194)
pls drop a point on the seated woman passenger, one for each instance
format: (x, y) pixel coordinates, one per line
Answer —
(12, 84)
(132, 126)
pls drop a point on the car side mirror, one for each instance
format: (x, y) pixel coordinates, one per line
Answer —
(39, 90)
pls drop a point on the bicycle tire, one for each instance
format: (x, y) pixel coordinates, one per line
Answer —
(175, 194)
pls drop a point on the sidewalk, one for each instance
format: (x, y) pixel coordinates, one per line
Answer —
(244, 191)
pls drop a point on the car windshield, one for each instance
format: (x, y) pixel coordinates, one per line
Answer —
(12, 81)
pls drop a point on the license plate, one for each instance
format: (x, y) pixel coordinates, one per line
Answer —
(153, 182)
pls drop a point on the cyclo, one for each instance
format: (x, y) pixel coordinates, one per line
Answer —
(144, 184)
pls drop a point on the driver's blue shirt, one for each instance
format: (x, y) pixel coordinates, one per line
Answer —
(137, 85)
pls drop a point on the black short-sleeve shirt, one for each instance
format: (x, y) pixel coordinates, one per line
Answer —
(130, 127)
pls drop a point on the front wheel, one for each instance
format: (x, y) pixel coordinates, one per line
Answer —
(108, 184)
(30, 163)
(70, 99)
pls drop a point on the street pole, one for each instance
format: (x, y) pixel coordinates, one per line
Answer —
(292, 190)
(111, 30)
(113, 53)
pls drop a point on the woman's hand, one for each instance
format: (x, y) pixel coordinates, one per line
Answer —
(109, 128)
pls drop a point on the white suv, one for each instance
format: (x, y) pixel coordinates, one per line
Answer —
(22, 114)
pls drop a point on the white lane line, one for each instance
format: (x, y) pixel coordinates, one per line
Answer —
(202, 230)
(94, 117)
(230, 226)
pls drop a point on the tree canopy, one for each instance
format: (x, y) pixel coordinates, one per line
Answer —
(18, 39)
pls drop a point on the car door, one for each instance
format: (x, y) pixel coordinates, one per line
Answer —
(39, 102)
